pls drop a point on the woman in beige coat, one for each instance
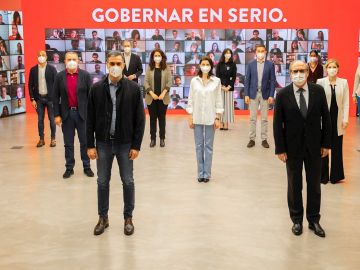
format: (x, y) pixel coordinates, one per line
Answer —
(158, 81)
(337, 96)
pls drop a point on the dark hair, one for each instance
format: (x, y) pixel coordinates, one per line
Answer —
(256, 31)
(16, 17)
(177, 77)
(95, 54)
(134, 33)
(260, 46)
(301, 31)
(94, 32)
(17, 34)
(19, 52)
(114, 54)
(217, 47)
(175, 30)
(177, 42)
(222, 57)
(206, 58)
(314, 51)
(235, 42)
(163, 59)
(322, 35)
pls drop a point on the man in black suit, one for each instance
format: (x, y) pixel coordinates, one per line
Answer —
(133, 66)
(302, 132)
(116, 116)
(41, 91)
(71, 90)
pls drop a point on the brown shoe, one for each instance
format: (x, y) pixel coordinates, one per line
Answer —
(53, 143)
(251, 144)
(265, 144)
(128, 227)
(102, 224)
(41, 143)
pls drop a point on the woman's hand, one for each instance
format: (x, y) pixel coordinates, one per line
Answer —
(191, 123)
(217, 123)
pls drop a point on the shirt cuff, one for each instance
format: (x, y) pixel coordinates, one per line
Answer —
(219, 110)
(189, 110)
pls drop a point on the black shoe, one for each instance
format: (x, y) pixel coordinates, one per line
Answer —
(315, 226)
(152, 143)
(265, 144)
(100, 227)
(89, 172)
(128, 227)
(162, 143)
(68, 173)
(206, 180)
(297, 229)
(251, 144)
(221, 128)
(41, 143)
(201, 180)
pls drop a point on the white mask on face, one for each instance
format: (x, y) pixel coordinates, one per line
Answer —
(298, 78)
(260, 56)
(115, 71)
(42, 59)
(127, 49)
(71, 65)
(205, 69)
(157, 59)
(228, 56)
(332, 72)
(313, 59)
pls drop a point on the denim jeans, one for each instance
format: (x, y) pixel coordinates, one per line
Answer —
(43, 103)
(106, 152)
(358, 104)
(74, 122)
(204, 140)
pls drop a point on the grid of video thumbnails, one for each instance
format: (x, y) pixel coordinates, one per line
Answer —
(12, 73)
(184, 48)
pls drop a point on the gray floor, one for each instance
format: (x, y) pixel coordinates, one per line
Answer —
(239, 220)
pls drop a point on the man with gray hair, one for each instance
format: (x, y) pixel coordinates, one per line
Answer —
(302, 133)
(116, 117)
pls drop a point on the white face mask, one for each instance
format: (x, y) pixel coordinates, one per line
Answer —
(42, 59)
(115, 71)
(228, 56)
(71, 65)
(205, 69)
(260, 56)
(157, 59)
(313, 59)
(332, 72)
(298, 78)
(127, 49)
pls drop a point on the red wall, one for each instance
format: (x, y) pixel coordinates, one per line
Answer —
(340, 17)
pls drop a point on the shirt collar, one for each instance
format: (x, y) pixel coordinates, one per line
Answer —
(111, 83)
(43, 66)
(200, 79)
(76, 72)
(305, 87)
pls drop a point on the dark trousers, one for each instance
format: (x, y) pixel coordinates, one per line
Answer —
(337, 165)
(43, 103)
(294, 168)
(106, 153)
(74, 122)
(157, 111)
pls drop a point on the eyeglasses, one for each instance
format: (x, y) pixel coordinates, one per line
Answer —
(298, 71)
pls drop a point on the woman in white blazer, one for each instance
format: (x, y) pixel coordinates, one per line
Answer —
(337, 96)
(356, 92)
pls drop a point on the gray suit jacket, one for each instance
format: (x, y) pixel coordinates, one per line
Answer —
(166, 82)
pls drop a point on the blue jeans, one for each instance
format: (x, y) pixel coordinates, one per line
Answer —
(204, 141)
(106, 152)
(43, 103)
(358, 104)
(74, 122)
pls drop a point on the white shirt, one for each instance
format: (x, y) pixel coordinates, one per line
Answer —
(305, 93)
(205, 101)
(42, 81)
(127, 60)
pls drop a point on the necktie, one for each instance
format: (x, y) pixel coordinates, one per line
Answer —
(303, 107)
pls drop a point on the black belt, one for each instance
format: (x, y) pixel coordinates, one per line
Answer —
(43, 96)
(73, 108)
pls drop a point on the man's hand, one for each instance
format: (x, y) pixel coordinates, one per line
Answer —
(34, 104)
(217, 124)
(324, 152)
(247, 100)
(131, 77)
(133, 154)
(191, 123)
(270, 100)
(58, 120)
(282, 157)
(92, 153)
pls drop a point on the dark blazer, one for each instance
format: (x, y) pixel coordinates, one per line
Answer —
(130, 116)
(227, 74)
(135, 67)
(50, 74)
(292, 133)
(268, 80)
(61, 105)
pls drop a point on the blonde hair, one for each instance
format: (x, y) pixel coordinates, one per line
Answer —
(332, 61)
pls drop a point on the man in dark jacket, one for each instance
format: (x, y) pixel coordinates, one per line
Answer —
(116, 116)
(302, 133)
